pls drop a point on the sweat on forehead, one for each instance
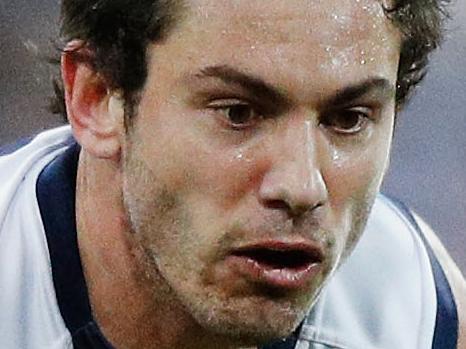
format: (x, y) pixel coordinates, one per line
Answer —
(260, 18)
(323, 43)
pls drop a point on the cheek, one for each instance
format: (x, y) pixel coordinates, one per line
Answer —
(353, 180)
(356, 169)
(224, 178)
(182, 194)
(354, 176)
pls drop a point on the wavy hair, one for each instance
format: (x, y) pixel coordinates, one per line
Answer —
(117, 33)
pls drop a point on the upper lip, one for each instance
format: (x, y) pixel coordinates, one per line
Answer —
(312, 250)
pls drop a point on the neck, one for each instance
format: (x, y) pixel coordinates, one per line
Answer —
(132, 308)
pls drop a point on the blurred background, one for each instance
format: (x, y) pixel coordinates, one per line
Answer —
(428, 170)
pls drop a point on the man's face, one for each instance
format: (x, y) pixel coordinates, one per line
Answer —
(261, 139)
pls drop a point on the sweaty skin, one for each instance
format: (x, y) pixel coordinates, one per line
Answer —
(248, 130)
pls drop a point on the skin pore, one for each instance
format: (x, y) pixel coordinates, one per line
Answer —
(258, 121)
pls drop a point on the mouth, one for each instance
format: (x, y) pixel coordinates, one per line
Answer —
(278, 264)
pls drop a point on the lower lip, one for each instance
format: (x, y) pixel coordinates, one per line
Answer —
(284, 278)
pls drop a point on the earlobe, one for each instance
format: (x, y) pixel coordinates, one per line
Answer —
(94, 111)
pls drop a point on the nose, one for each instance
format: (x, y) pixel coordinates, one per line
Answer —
(295, 182)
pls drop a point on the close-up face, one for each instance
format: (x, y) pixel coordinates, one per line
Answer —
(261, 139)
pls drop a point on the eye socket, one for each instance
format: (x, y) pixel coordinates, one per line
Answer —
(237, 115)
(350, 121)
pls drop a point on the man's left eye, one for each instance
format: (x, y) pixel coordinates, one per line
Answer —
(350, 121)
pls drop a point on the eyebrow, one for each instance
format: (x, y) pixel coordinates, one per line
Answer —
(260, 89)
(264, 91)
(378, 85)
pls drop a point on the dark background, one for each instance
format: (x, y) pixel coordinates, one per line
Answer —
(429, 152)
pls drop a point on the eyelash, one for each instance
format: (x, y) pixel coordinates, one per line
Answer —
(364, 115)
(227, 105)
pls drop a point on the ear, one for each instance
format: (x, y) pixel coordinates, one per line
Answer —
(96, 114)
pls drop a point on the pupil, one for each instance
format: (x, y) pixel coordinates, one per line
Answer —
(239, 114)
(347, 121)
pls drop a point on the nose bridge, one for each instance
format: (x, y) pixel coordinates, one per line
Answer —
(296, 177)
(303, 162)
(309, 166)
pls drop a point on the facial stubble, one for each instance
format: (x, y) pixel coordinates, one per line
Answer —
(156, 214)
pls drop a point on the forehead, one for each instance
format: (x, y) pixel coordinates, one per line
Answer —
(276, 20)
(327, 39)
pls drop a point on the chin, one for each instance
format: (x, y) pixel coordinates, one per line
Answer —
(250, 334)
(252, 321)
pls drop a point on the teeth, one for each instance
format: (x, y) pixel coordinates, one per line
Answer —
(278, 259)
(282, 274)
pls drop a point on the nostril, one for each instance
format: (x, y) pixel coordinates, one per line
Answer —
(294, 211)
(299, 210)
(277, 205)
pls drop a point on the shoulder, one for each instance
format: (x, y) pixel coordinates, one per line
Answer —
(24, 248)
(453, 275)
(25, 159)
(450, 285)
(389, 293)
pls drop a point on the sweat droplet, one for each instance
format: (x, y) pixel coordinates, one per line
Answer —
(335, 156)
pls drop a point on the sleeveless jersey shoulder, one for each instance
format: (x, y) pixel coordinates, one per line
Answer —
(29, 316)
(383, 297)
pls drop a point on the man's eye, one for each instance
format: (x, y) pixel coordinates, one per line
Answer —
(348, 122)
(237, 116)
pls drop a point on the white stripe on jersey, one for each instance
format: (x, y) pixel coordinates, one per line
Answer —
(29, 315)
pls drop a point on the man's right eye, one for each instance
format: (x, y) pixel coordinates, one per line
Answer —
(237, 115)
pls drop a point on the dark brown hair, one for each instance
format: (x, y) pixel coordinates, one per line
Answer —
(117, 33)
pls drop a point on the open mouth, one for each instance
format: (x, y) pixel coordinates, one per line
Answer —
(282, 266)
(280, 259)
